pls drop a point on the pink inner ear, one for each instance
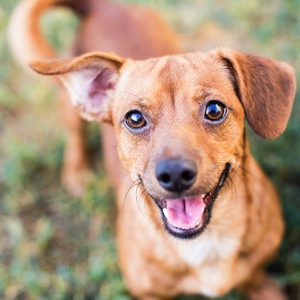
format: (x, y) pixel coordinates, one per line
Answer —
(102, 82)
(98, 92)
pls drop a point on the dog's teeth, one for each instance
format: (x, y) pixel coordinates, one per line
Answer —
(165, 212)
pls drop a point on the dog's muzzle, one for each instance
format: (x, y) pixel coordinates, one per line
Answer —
(187, 217)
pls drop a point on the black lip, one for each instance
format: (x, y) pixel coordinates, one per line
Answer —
(196, 231)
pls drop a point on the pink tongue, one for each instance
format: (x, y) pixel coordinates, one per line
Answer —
(184, 213)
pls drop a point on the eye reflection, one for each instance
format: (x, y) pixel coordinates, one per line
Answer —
(215, 110)
(135, 120)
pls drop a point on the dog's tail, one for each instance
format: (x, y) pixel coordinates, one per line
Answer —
(24, 34)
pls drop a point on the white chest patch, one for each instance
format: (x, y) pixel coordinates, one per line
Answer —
(211, 257)
(208, 248)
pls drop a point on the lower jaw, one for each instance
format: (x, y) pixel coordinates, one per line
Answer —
(189, 233)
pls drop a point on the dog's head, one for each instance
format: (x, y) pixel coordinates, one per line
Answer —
(179, 120)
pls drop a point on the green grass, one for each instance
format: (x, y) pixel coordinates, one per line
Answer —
(53, 246)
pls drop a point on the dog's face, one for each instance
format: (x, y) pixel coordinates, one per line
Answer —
(179, 124)
(179, 120)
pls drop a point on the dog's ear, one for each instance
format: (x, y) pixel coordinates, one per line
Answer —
(266, 89)
(90, 80)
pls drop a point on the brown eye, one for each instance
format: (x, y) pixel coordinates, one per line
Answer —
(135, 120)
(215, 110)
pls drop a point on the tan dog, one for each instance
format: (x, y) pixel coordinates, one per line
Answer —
(203, 218)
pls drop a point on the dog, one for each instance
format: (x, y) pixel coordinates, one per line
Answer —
(196, 214)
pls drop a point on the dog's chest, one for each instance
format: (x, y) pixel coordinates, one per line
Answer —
(211, 259)
(209, 248)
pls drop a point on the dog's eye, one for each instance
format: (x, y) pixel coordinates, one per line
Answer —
(135, 120)
(215, 110)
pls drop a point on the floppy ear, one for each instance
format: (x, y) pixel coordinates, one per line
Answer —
(90, 80)
(266, 89)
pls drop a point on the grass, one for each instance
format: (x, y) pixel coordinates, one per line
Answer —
(56, 247)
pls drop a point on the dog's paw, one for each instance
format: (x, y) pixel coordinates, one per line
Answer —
(268, 290)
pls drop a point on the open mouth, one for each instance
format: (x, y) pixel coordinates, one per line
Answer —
(187, 217)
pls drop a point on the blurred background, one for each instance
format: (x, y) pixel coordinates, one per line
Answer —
(53, 246)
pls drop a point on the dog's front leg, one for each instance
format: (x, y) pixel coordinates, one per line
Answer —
(75, 166)
(263, 288)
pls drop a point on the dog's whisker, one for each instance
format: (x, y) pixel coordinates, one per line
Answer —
(127, 192)
(136, 197)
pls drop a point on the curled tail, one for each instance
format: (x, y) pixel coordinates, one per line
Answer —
(24, 34)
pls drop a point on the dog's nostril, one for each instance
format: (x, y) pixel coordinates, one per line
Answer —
(165, 178)
(188, 176)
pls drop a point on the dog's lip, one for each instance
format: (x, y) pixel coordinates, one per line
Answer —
(207, 199)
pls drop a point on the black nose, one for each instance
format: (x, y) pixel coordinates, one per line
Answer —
(176, 175)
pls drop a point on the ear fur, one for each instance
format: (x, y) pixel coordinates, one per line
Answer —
(266, 89)
(90, 79)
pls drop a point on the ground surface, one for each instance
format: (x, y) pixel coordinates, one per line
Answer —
(51, 245)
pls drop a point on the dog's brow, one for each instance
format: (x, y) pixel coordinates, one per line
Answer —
(141, 100)
(206, 93)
